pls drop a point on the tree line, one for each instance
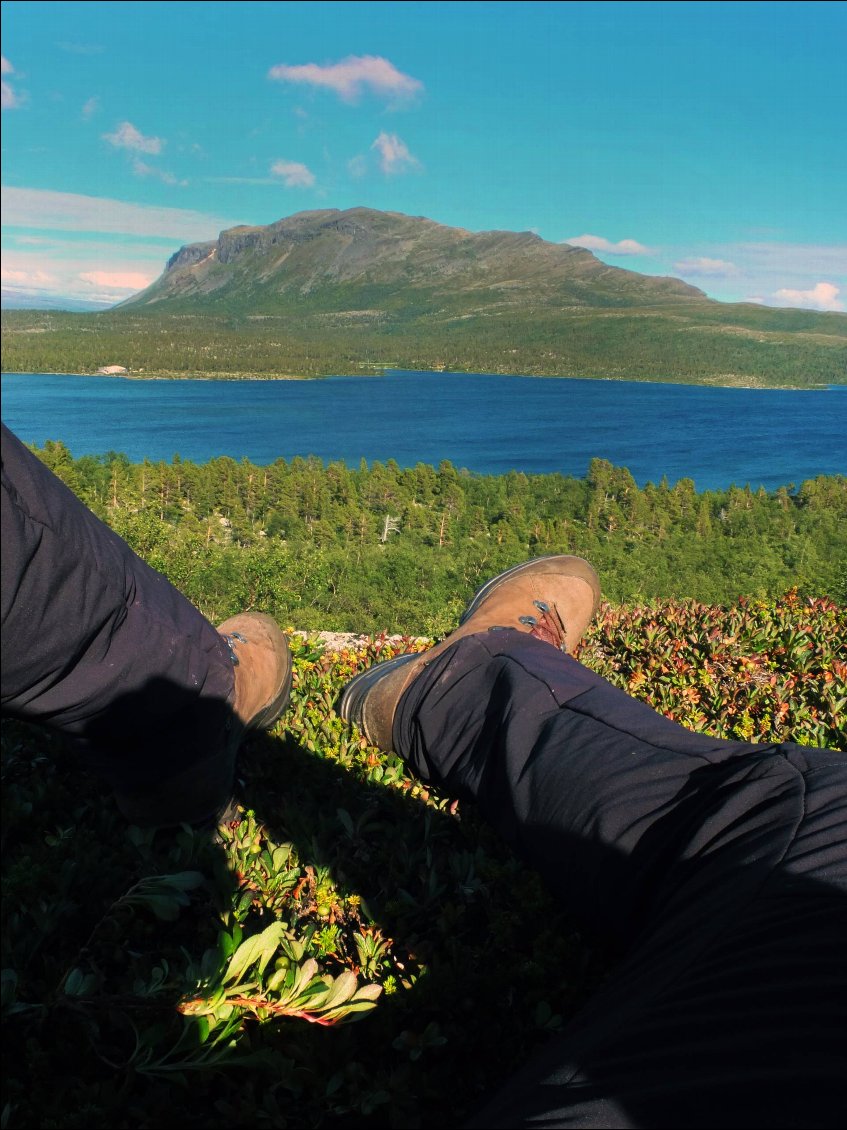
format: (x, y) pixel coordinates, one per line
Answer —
(385, 548)
(688, 344)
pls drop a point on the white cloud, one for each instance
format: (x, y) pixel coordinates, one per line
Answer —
(83, 271)
(90, 108)
(9, 100)
(822, 296)
(152, 251)
(126, 136)
(807, 259)
(101, 278)
(33, 240)
(351, 76)
(240, 180)
(142, 169)
(130, 281)
(26, 278)
(66, 211)
(357, 166)
(762, 268)
(293, 174)
(702, 265)
(599, 243)
(394, 155)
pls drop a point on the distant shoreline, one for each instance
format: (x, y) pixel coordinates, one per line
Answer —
(169, 375)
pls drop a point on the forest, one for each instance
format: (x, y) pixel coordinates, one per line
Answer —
(386, 548)
(717, 343)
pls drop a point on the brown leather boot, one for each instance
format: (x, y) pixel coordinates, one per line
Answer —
(197, 795)
(262, 662)
(552, 598)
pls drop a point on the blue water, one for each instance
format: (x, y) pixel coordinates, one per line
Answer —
(488, 424)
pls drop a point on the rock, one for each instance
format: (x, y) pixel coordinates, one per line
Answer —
(341, 641)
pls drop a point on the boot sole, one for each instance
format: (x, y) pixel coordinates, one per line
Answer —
(352, 700)
(275, 710)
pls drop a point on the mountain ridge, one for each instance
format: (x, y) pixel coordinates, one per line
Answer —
(293, 258)
(332, 292)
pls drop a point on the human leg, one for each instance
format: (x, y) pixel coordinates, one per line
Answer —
(717, 867)
(103, 648)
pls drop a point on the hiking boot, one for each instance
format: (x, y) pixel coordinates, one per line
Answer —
(201, 793)
(262, 663)
(552, 598)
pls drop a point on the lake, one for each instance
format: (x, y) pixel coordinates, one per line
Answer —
(488, 424)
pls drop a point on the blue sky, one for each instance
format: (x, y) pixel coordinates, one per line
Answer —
(701, 140)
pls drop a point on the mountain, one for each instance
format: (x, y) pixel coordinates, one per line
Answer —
(388, 264)
(332, 292)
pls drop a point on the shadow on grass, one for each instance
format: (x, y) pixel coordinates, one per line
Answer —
(479, 972)
(479, 966)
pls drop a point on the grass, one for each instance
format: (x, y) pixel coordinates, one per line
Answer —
(357, 949)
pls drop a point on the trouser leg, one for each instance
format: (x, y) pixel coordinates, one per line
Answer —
(103, 648)
(718, 867)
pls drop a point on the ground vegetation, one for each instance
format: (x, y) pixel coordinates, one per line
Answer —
(350, 947)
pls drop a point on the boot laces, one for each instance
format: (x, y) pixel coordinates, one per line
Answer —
(230, 639)
(549, 626)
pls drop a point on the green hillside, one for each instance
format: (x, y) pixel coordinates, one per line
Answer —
(359, 291)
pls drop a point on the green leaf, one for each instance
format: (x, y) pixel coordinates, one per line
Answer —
(184, 880)
(341, 989)
(368, 992)
(260, 948)
(166, 908)
(163, 894)
(281, 856)
(79, 984)
(203, 1027)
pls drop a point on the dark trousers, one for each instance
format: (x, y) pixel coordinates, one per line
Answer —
(720, 869)
(99, 645)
